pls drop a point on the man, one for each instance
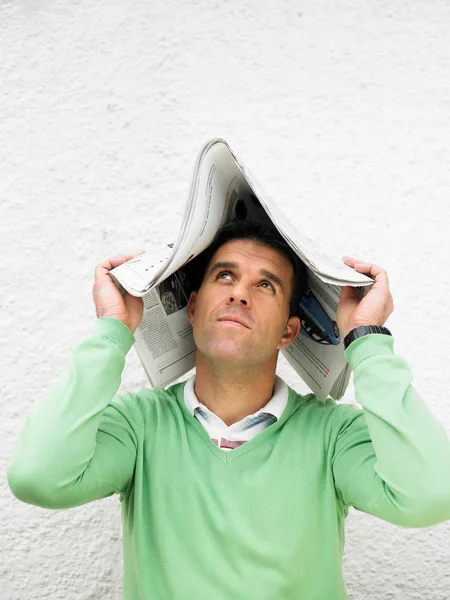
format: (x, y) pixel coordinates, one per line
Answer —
(232, 485)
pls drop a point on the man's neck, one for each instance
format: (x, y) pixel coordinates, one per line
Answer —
(233, 393)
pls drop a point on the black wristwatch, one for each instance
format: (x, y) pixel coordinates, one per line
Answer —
(364, 330)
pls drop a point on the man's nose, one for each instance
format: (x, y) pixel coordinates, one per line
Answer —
(239, 295)
(233, 299)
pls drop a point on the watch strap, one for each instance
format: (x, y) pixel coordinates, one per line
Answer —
(363, 330)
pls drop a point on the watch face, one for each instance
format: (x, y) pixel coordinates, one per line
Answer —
(364, 330)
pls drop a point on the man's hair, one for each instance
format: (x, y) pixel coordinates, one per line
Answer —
(260, 233)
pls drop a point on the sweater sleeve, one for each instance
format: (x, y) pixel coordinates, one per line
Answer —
(78, 443)
(391, 459)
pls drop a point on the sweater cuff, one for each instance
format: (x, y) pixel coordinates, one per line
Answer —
(372, 344)
(116, 331)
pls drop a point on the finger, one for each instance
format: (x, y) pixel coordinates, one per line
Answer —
(350, 261)
(373, 271)
(348, 294)
(111, 263)
(366, 268)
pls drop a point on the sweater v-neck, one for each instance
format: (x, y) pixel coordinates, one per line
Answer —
(231, 456)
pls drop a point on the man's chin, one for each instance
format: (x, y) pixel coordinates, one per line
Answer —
(231, 355)
(231, 352)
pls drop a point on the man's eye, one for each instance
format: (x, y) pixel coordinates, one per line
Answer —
(267, 285)
(222, 273)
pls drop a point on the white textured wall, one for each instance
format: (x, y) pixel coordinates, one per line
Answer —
(341, 109)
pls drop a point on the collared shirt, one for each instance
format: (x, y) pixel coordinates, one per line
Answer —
(229, 437)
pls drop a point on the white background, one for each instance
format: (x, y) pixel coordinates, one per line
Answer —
(340, 109)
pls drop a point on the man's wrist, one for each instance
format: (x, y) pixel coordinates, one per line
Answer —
(363, 330)
(116, 331)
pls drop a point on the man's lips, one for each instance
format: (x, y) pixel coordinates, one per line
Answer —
(234, 321)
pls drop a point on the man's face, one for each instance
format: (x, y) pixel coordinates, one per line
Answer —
(241, 311)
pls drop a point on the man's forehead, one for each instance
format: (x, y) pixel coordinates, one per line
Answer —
(253, 254)
(251, 249)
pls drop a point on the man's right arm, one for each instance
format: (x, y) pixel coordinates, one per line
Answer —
(78, 443)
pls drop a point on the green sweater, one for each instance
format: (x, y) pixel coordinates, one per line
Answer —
(264, 521)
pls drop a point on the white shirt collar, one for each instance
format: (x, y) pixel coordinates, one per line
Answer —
(275, 406)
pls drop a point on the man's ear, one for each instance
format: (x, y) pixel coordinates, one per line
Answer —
(191, 307)
(290, 333)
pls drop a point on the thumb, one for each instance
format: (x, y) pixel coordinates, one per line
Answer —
(348, 294)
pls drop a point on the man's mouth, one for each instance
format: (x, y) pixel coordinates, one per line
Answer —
(234, 321)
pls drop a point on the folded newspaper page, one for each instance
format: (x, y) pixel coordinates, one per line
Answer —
(223, 190)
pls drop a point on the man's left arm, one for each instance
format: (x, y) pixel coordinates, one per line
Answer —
(392, 459)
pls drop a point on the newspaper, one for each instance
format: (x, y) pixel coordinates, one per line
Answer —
(222, 190)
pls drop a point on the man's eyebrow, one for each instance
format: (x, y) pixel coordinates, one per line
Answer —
(272, 277)
(222, 265)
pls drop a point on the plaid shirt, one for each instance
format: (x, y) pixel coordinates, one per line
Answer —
(238, 433)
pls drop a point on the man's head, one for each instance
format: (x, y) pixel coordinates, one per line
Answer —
(248, 286)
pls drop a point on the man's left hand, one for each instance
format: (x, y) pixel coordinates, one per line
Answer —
(374, 308)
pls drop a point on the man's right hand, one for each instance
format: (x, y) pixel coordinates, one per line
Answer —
(109, 302)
